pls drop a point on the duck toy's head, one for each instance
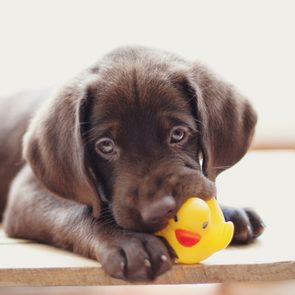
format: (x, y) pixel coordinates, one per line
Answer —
(197, 231)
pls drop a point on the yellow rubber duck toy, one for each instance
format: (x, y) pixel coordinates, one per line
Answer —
(198, 230)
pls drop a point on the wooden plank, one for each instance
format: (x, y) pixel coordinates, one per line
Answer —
(263, 180)
(86, 276)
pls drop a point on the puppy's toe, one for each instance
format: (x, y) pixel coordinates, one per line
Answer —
(160, 254)
(114, 262)
(257, 224)
(138, 262)
(248, 224)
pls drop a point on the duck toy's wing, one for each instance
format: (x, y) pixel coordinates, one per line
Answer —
(222, 230)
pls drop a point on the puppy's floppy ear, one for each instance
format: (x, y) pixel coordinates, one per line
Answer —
(54, 148)
(226, 120)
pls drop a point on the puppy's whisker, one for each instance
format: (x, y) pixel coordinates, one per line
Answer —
(84, 123)
(107, 222)
(199, 121)
(221, 167)
(89, 131)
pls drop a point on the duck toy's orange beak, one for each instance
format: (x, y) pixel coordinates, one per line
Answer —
(187, 238)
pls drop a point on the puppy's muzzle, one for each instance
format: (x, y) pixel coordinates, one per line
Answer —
(159, 211)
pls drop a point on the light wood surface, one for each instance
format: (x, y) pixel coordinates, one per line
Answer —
(263, 180)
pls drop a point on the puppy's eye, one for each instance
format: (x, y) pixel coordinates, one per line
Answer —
(177, 134)
(105, 146)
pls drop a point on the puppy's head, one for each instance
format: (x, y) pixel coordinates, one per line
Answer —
(141, 131)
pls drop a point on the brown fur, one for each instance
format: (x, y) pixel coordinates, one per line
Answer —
(70, 196)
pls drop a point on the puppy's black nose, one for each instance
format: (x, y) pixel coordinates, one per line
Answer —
(158, 210)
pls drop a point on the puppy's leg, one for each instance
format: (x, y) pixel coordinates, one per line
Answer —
(248, 224)
(34, 213)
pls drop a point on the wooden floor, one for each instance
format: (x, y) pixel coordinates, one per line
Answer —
(263, 180)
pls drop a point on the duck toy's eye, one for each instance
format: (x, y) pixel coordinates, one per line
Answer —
(205, 224)
(175, 218)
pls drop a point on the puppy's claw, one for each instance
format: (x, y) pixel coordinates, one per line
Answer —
(122, 266)
(147, 263)
(164, 257)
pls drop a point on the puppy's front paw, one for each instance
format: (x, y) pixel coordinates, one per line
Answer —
(136, 257)
(248, 224)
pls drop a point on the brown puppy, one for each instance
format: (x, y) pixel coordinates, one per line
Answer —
(111, 156)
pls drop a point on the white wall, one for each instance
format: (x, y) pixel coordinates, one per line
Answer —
(250, 43)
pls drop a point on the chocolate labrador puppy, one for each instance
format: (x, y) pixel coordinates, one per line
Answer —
(111, 156)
